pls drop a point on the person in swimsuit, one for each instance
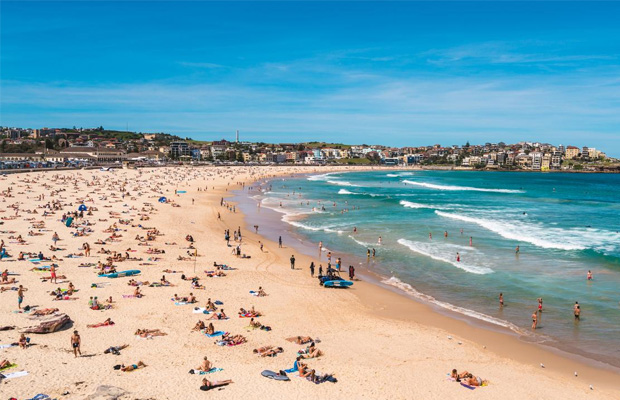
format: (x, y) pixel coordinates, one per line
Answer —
(590, 275)
(501, 300)
(76, 341)
(20, 296)
(207, 384)
(576, 311)
(534, 320)
(540, 304)
(133, 367)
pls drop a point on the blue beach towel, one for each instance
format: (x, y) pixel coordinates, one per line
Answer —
(215, 334)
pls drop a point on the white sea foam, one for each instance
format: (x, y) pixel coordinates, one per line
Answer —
(434, 252)
(407, 288)
(362, 243)
(393, 175)
(344, 191)
(459, 188)
(411, 204)
(339, 183)
(544, 236)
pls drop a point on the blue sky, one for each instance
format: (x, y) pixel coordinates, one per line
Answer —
(401, 73)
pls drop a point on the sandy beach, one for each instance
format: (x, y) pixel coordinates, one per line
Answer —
(376, 343)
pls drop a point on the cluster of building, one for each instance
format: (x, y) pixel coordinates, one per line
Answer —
(98, 147)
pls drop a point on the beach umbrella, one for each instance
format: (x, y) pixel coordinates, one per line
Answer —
(162, 199)
(82, 207)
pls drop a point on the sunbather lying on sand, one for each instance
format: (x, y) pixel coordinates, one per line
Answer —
(116, 350)
(5, 364)
(149, 333)
(468, 379)
(45, 311)
(133, 367)
(300, 339)
(207, 384)
(268, 351)
(231, 340)
(107, 322)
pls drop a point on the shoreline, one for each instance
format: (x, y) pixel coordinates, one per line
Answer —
(380, 344)
(471, 328)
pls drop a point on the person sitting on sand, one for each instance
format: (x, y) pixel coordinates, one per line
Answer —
(137, 292)
(200, 325)
(210, 330)
(210, 305)
(205, 365)
(207, 384)
(261, 292)
(23, 341)
(133, 367)
(115, 349)
(5, 364)
(164, 281)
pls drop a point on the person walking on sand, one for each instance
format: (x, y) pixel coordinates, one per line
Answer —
(312, 269)
(20, 296)
(293, 261)
(534, 320)
(76, 342)
(280, 241)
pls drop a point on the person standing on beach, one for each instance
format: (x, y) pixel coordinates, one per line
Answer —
(76, 341)
(293, 261)
(540, 303)
(53, 272)
(445, 234)
(373, 252)
(351, 272)
(280, 242)
(20, 296)
(312, 269)
(501, 300)
(534, 320)
(471, 241)
(320, 245)
(458, 257)
(320, 269)
(590, 277)
(517, 250)
(261, 246)
(430, 236)
(367, 253)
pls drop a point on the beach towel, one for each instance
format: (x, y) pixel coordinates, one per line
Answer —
(467, 386)
(294, 369)
(40, 396)
(8, 367)
(200, 310)
(215, 334)
(181, 303)
(253, 293)
(6, 346)
(212, 370)
(218, 303)
(14, 375)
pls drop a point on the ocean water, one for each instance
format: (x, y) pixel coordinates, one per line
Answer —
(564, 225)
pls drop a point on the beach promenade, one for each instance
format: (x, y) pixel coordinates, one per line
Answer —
(375, 343)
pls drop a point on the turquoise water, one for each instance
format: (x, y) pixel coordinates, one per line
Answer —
(564, 225)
